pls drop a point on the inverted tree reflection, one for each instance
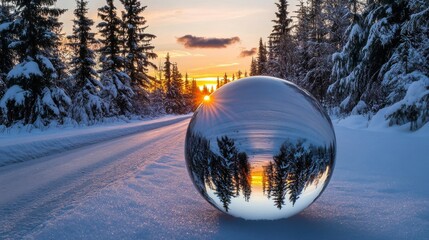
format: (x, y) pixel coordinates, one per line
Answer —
(226, 173)
(295, 167)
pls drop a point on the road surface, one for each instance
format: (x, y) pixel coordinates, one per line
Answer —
(34, 191)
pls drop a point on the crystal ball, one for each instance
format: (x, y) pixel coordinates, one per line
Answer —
(260, 148)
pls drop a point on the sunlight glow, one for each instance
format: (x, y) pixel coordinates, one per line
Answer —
(206, 98)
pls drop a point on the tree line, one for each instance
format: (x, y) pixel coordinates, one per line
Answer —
(47, 78)
(355, 57)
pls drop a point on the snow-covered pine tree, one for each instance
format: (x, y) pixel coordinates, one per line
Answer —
(167, 71)
(302, 35)
(174, 102)
(253, 68)
(138, 52)
(187, 84)
(385, 63)
(406, 74)
(195, 95)
(87, 106)
(281, 48)
(157, 95)
(6, 54)
(345, 71)
(57, 56)
(177, 90)
(32, 96)
(317, 77)
(168, 85)
(272, 64)
(187, 93)
(338, 18)
(262, 59)
(117, 87)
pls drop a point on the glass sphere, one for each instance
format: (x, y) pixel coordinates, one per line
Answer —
(260, 148)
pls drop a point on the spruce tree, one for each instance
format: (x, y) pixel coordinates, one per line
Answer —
(302, 35)
(253, 68)
(157, 94)
(187, 84)
(174, 101)
(195, 95)
(262, 59)
(138, 51)
(87, 106)
(168, 85)
(338, 18)
(406, 73)
(157, 97)
(167, 71)
(187, 94)
(6, 54)
(317, 77)
(57, 56)
(117, 89)
(33, 96)
(177, 90)
(281, 44)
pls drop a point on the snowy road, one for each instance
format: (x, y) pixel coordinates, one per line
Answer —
(137, 187)
(35, 191)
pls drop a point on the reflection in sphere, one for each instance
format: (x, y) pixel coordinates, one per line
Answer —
(260, 148)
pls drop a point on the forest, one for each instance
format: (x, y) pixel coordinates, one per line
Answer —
(48, 79)
(355, 57)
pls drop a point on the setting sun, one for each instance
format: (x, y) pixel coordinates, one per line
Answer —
(206, 98)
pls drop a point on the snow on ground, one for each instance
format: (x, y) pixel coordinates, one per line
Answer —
(23, 146)
(378, 191)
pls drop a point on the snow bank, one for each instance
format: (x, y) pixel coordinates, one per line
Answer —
(377, 123)
(20, 147)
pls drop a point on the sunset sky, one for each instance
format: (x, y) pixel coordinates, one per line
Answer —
(205, 38)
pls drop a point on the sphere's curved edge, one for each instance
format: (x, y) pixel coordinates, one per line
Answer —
(227, 135)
